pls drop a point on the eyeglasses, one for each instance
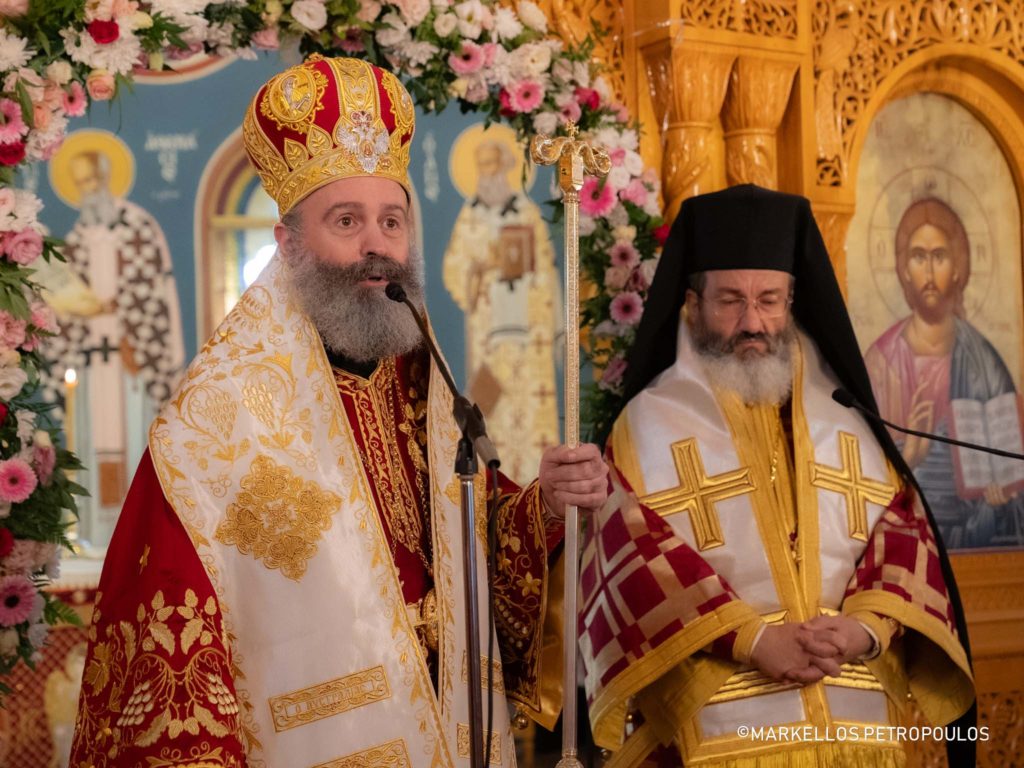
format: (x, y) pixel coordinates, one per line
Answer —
(769, 306)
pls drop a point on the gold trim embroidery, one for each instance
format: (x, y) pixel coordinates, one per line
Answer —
(498, 680)
(848, 481)
(697, 493)
(323, 700)
(462, 739)
(278, 517)
(393, 754)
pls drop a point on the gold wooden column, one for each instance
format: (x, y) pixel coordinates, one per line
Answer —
(688, 86)
(754, 106)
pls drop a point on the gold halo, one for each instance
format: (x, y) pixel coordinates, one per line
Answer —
(462, 160)
(122, 163)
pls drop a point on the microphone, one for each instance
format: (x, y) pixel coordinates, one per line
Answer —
(847, 400)
(467, 414)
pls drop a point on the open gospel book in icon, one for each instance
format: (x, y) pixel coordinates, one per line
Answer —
(996, 424)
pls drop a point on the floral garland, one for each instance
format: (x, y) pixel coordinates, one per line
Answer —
(491, 57)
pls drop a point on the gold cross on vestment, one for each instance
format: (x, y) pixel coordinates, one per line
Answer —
(849, 481)
(697, 493)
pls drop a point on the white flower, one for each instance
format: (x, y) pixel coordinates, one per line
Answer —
(394, 31)
(42, 144)
(506, 24)
(37, 634)
(53, 567)
(652, 207)
(26, 210)
(623, 232)
(587, 225)
(615, 138)
(369, 10)
(220, 35)
(14, 51)
(445, 23)
(11, 382)
(633, 163)
(413, 11)
(619, 178)
(119, 57)
(647, 269)
(619, 218)
(312, 14)
(38, 603)
(177, 7)
(59, 72)
(442, 3)
(9, 357)
(42, 438)
(418, 53)
(533, 59)
(532, 16)
(546, 123)
(26, 424)
(474, 17)
(602, 87)
(8, 641)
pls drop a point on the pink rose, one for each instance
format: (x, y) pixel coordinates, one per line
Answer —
(266, 39)
(41, 116)
(12, 332)
(43, 317)
(613, 372)
(12, 9)
(44, 458)
(100, 85)
(635, 193)
(23, 247)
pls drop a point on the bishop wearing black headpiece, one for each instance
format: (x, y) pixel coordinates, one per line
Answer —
(766, 558)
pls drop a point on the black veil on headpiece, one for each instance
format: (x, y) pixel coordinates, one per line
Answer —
(748, 227)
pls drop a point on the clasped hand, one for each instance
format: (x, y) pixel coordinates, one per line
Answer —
(808, 651)
(574, 476)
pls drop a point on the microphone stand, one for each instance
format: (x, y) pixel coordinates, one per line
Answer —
(473, 441)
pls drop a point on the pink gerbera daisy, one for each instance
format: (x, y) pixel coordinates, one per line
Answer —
(526, 96)
(17, 480)
(12, 126)
(468, 60)
(623, 254)
(16, 596)
(75, 100)
(627, 308)
(596, 199)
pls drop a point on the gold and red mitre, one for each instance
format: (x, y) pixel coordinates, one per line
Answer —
(328, 119)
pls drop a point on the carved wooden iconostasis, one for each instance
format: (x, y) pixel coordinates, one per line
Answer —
(818, 97)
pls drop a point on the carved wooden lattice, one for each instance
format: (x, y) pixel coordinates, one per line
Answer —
(767, 18)
(858, 45)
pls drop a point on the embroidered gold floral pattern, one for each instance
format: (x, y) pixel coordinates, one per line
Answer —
(162, 675)
(278, 517)
(393, 754)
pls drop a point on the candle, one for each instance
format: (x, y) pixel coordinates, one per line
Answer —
(70, 384)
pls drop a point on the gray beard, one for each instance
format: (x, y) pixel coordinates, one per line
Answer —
(354, 321)
(494, 191)
(756, 379)
(98, 208)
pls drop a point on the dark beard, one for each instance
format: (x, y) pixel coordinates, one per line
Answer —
(356, 321)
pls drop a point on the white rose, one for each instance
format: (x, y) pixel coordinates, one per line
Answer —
(26, 424)
(442, 3)
(587, 225)
(369, 10)
(624, 233)
(602, 87)
(546, 123)
(11, 381)
(38, 603)
(37, 634)
(42, 439)
(394, 31)
(59, 72)
(648, 268)
(633, 163)
(312, 14)
(618, 217)
(445, 24)
(534, 58)
(619, 178)
(532, 16)
(653, 206)
(414, 11)
(9, 357)
(8, 641)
